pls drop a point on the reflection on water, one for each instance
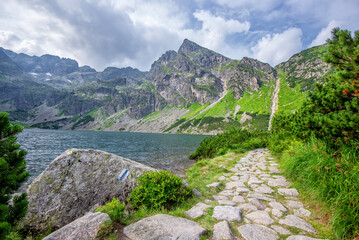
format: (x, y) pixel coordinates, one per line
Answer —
(163, 151)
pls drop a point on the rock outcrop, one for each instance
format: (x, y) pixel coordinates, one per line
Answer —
(75, 182)
(164, 226)
(86, 227)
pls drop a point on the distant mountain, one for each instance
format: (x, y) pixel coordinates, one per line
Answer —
(7, 66)
(192, 90)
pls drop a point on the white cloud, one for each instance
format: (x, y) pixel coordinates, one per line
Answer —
(278, 47)
(214, 30)
(263, 5)
(324, 34)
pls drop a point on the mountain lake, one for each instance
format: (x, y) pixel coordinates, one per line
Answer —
(161, 151)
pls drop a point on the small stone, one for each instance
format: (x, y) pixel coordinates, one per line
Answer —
(277, 212)
(208, 201)
(301, 237)
(260, 217)
(222, 230)
(294, 204)
(196, 192)
(222, 166)
(231, 185)
(273, 169)
(288, 191)
(268, 210)
(226, 202)
(278, 183)
(213, 185)
(294, 221)
(255, 232)
(279, 206)
(227, 213)
(222, 178)
(197, 210)
(248, 207)
(238, 199)
(256, 202)
(216, 197)
(302, 212)
(242, 190)
(264, 189)
(281, 230)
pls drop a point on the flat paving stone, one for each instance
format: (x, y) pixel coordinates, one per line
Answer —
(278, 183)
(260, 217)
(242, 190)
(222, 231)
(258, 203)
(260, 196)
(294, 204)
(302, 212)
(238, 199)
(273, 169)
(247, 207)
(229, 193)
(255, 232)
(197, 210)
(231, 185)
(227, 213)
(294, 221)
(264, 189)
(226, 202)
(277, 213)
(288, 191)
(281, 230)
(217, 197)
(279, 206)
(235, 178)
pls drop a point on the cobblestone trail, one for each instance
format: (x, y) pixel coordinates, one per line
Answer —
(260, 198)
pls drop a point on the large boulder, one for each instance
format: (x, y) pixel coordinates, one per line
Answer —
(165, 227)
(86, 227)
(74, 183)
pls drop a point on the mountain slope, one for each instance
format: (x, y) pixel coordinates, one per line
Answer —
(299, 75)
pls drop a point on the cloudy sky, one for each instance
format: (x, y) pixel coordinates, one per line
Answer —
(135, 33)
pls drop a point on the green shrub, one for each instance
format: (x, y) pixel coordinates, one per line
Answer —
(209, 146)
(157, 189)
(114, 209)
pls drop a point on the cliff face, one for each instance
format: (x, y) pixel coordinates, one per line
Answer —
(196, 74)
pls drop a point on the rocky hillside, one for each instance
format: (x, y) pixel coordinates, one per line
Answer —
(192, 90)
(299, 74)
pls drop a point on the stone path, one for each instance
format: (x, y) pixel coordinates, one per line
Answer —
(258, 200)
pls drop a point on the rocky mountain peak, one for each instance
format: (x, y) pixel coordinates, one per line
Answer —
(189, 46)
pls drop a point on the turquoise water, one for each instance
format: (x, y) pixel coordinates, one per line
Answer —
(162, 151)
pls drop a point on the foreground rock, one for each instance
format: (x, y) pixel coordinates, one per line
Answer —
(163, 226)
(86, 227)
(76, 181)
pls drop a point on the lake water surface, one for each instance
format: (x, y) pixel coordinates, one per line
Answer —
(163, 151)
